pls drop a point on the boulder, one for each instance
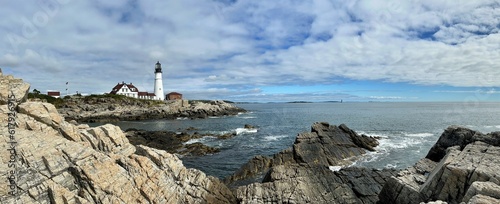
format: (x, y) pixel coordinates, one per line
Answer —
(299, 184)
(468, 171)
(460, 136)
(43, 112)
(330, 145)
(172, 142)
(489, 189)
(13, 89)
(302, 174)
(61, 162)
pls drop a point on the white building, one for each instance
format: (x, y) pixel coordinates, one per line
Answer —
(159, 82)
(131, 91)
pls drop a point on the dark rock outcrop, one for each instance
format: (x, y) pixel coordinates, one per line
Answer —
(461, 167)
(309, 171)
(326, 145)
(173, 142)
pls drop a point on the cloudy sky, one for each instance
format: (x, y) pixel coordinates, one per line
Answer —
(250, 50)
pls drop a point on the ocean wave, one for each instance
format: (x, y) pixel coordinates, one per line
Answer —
(391, 166)
(390, 144)
(425, 134)
(373, 134)
(244, 130)
(491, 126)
(201, 140)
(274, 137)
(248, 117)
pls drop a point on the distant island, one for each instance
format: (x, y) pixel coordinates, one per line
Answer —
(300, 102)
(315, 102)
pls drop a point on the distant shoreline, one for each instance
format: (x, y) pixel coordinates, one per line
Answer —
(112, 108)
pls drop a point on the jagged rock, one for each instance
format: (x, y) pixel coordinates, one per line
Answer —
(99, 166)
(329, 145)
(173, 142)
(16, 89)
(299, 184)
(489, 189)
(43, 112)
(326, 145)
(482, 199)
(301, 174)
(455, 178)
(247, 173)
(460, 136)
(197, 149)
(60, 162)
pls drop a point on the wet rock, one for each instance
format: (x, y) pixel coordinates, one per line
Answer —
(248, 126)
(468, 171)
(302, 174)
(197, 149)
(173, 142)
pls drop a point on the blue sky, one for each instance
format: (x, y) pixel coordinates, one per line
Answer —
(246, 50)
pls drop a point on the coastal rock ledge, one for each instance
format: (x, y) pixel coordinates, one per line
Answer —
(45, 159)
(109, 108)
(315, 170)
(462, 167)
(59, 162)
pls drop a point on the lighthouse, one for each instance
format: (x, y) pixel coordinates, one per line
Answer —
(158, 82)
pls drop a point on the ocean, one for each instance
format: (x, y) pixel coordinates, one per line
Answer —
(407, 129)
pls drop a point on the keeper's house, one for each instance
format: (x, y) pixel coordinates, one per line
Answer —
(130, 90)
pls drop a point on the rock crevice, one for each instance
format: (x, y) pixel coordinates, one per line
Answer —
(62, 162)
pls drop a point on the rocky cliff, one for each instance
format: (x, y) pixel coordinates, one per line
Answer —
(462, 167)
(114, 108)
(314, 170)
(49, 160)
(45, 159)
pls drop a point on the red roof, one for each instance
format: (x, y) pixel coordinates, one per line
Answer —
(174, 93)
(54, 93)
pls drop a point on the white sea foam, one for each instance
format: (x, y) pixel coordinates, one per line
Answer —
(335, 168)
(203, 139)
(244, 130)
(391, 143)
(391, 166)
(213, 117)
(425, 134)
(248, 117)
(182, 118)
(274, 137)
(372, 134)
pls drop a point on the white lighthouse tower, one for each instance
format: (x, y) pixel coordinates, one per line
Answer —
(158, 82)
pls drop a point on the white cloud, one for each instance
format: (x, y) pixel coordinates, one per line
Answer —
(245, 44)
